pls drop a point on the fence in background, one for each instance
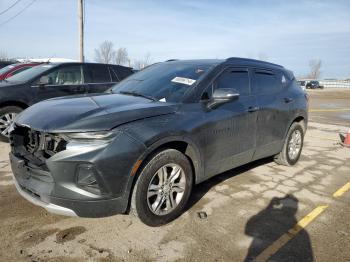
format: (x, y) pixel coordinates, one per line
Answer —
(335, 83)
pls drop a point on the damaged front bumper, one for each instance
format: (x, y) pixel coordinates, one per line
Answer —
(52, 208)
(53, 182)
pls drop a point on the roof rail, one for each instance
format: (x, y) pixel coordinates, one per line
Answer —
(237, 59)
(170, 60)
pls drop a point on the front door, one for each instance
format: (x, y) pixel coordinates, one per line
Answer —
(231, 127)
(62, 81)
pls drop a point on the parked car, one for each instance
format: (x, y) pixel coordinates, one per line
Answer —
(158, 133)
(50, 80)
(6, 63)
(302, 84)
(14, 69)
(314, 85)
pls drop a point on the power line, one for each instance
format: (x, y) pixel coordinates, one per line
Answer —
(15, 3)
(20, 12)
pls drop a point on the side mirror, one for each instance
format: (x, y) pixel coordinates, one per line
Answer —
(44, 80)
(223, 95)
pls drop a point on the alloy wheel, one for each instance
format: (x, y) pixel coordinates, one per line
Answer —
(294, 145)
(5, 123)
(166, 189)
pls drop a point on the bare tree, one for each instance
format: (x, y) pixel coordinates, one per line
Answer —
(144, 62)
(315, 66)
(105, 53)
(122, 56)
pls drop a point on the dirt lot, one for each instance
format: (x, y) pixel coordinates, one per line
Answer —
(249, 210)
(330, 106)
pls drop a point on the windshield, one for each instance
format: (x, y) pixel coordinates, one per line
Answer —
(6, 68)
(166, 82)
(29, 74)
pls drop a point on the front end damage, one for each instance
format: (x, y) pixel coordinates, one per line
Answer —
(66, 177)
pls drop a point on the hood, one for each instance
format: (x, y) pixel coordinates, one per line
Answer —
(90, 113)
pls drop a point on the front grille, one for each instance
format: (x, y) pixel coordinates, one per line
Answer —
(35, 146)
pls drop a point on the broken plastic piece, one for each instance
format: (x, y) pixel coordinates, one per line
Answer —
(202, 215)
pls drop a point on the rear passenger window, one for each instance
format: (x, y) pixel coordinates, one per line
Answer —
(266, 82)
(237, 79)
(99, 74)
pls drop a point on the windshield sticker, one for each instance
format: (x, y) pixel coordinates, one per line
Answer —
(183, 80)
(162, 100)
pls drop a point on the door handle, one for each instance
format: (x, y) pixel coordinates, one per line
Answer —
(253, 109)
(288, 100)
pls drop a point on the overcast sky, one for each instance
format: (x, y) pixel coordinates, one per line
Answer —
(286, 32)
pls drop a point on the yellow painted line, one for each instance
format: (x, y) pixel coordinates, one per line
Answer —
(275, 246)
(322, 137)
(329, 110)
(342, 190)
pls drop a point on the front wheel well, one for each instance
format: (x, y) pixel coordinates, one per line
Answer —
(14, 103)
(181, 146)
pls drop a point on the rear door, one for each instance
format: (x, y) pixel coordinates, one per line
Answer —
(231, 127)
(274, 111)
(63, 81)
(99, 78)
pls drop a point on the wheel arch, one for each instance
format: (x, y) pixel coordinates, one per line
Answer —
(185, 146)
(14, 103)
(300, 118)
(302, 121)
(182, 144)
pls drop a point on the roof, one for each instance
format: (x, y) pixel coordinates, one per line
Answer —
(43, 60)
(197, 61)
(248, 61)
(231, 60)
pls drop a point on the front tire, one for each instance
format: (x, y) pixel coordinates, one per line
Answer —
(7, 115)
(163, 188)
(292, 147)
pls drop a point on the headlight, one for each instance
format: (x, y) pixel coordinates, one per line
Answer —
(88, 140)
(104, 135)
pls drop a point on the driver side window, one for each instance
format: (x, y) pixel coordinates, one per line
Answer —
(234, 78)
(69, 75)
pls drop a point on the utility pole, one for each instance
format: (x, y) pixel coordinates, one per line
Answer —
(81, 29)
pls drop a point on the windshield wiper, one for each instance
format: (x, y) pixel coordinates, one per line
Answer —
(133, 93)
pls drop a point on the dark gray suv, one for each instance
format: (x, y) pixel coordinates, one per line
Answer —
(143, 146)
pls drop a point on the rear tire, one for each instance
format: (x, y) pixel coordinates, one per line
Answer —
(163, 188)
(292, 147)
(7, 115)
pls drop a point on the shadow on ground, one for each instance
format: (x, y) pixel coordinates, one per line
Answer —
(200, 190)
(270, 224)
